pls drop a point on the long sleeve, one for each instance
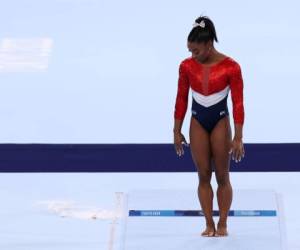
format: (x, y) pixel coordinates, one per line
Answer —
(182, 94)
(236, 87)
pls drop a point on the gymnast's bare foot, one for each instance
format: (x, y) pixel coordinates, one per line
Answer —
(221, 230)
(209, 231)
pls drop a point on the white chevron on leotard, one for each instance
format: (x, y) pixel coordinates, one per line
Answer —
(212, 99)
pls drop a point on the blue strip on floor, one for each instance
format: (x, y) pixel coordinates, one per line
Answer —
(265, 213)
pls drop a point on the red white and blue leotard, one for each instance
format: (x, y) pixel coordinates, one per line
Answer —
(210, 86)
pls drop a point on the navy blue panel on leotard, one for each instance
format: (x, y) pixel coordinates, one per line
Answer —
(208, 117)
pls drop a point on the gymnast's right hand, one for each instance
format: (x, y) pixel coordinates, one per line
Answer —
(179, 140)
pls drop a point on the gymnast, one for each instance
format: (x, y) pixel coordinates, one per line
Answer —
(210, 75)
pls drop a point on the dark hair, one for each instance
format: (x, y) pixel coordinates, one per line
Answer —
(199, 34)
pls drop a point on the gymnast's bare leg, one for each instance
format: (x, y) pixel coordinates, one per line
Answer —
(220, 141)
(201, 153)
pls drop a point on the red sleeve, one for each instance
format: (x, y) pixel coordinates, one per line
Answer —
(182, 94)
(236, 87)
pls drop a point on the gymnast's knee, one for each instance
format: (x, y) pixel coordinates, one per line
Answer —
(204, 178)
(222, 179)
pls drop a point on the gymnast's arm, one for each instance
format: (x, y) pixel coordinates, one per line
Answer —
(236, 87)
(180, 110)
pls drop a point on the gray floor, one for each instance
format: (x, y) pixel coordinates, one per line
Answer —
(80, 210)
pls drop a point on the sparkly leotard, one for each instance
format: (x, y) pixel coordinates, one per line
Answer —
(210, 86)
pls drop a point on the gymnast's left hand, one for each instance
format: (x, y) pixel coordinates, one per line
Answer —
(237, 150)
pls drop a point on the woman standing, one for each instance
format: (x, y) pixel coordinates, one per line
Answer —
(210, 75)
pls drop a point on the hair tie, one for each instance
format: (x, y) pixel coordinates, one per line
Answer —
(201, 24)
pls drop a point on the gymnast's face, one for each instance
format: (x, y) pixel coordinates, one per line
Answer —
(200, 51)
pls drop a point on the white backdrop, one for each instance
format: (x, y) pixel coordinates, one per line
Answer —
(87, 71)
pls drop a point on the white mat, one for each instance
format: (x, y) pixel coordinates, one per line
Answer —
(183, 232)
